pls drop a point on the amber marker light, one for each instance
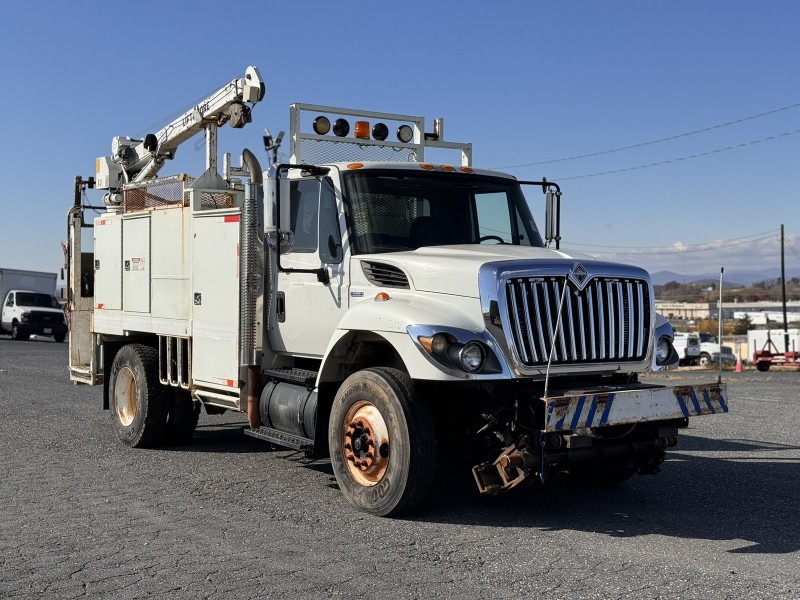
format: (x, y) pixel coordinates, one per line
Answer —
(448, 168)
(425, 342)
(362, 130)
(355, 166)
(426, 166)
(382, 297)
(466, 169)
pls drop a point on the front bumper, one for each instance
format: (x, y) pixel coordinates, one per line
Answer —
(644, 403)
(42, 329)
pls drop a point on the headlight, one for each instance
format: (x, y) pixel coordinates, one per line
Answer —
(24, 317)
(471, 357)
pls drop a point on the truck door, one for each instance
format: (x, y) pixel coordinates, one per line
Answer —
(308, 310)
(8, 311)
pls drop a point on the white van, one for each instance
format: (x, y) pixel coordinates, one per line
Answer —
(687, 345)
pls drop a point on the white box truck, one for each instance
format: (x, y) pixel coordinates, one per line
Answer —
(365, 303)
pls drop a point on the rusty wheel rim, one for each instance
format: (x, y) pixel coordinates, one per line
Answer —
(365, 443)
(125, 396)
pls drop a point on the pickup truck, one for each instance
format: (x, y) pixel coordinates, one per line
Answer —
(712, 352)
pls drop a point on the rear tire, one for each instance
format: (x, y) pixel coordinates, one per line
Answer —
(762, 366)
(382, 442)
(60, 338)
(137, 400)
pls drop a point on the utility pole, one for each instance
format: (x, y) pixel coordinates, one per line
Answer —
(783, 298)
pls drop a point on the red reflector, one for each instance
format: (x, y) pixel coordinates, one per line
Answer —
(232, 218)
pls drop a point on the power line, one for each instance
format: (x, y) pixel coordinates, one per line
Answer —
(694, 249)
(681, 158)
(754, 237)
(648, 143)
(791, 247)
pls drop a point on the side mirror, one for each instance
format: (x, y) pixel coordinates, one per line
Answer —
(270, 218)
(285, 193)
(552, 217)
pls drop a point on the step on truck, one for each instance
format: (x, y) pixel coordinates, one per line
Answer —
(368, 302)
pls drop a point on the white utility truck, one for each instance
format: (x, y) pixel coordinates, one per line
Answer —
(29, 306)
(366, 303)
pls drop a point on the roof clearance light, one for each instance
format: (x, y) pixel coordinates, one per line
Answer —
(426, 166)
(362, 130)
(405, 134)
(355, 166)
(341, 128)
(322, 125)
(380, 131)
(467, 169)
(448, 168)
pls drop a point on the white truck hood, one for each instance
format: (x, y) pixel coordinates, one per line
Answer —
(454, 269)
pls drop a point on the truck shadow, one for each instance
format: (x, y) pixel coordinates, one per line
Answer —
(223, 438)
(749, 499)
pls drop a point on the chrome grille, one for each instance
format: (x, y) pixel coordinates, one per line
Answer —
(607, 321)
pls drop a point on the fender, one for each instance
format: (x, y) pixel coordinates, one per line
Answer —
(389, 320)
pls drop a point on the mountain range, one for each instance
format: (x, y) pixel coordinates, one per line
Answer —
(730, 279)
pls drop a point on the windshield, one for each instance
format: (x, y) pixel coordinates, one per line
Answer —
(37, 300)
(395, 210)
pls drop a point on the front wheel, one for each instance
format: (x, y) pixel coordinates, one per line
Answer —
(382, 442)
(16, 334)
(138, 402)
(705, 360)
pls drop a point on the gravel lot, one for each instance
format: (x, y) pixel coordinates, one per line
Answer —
(226, 517)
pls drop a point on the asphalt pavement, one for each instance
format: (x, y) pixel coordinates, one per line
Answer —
(227, 517)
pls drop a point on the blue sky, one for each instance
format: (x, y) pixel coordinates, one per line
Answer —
(525, 82)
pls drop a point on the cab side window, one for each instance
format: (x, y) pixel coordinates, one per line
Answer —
(304, 204)
(315, 220)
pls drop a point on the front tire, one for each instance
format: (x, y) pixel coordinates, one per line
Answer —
(382, 442)
(137, 400)
(15, 333)
(705, 360)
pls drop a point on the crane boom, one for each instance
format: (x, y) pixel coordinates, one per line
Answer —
(134, 160)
